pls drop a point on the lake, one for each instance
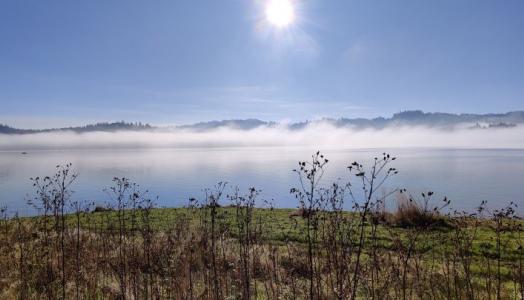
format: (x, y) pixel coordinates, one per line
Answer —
(466, 176)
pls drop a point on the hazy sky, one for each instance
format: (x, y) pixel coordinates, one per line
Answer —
(180, 61)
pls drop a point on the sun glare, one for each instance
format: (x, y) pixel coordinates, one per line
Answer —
(280, 13)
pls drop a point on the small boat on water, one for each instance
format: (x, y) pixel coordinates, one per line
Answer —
(24, 153)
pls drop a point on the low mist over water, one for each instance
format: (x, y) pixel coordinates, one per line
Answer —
(315, 135)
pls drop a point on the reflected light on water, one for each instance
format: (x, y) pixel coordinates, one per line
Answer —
(465, 176)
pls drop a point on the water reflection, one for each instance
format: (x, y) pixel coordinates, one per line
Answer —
(465, 176)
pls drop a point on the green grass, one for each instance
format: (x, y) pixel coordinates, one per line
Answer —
(278, 227)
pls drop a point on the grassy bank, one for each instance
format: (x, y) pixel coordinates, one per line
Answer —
(277, 245)
(281, 226)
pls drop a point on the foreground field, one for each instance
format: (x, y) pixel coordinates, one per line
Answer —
(223, 247)
(184, 253)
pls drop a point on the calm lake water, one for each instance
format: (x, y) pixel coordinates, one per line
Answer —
(174, 175)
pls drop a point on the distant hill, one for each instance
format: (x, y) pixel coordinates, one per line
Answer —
(105, 127)
(420, 118)
(440, 120)
(405, 118)
(10, 130)
(238, 124)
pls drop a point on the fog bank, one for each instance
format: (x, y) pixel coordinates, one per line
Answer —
(316, 135)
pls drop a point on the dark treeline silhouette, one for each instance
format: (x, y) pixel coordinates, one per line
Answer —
(234, 245)
(103, 126)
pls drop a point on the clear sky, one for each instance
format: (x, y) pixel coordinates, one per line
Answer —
(180, 61)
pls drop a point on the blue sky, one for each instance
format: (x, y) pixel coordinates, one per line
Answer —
(171, 62)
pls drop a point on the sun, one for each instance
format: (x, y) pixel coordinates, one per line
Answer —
(280, 13)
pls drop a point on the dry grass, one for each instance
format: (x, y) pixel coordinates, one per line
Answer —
(411, 213)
